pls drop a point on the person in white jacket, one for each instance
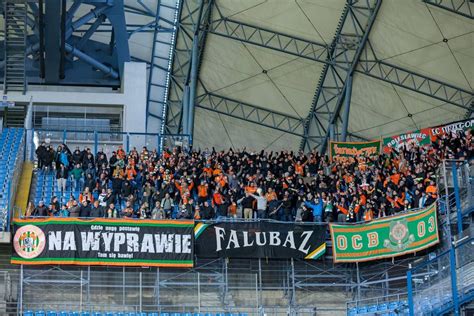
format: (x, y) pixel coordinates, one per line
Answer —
(261, 203)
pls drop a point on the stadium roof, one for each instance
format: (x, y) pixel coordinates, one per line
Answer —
(406, 33)
(279, 84)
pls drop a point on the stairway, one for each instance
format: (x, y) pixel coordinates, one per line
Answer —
(15, 45)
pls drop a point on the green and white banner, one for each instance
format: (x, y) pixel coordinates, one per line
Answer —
(385, 238)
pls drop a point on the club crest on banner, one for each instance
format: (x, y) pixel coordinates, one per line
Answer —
(29, 241)
(399, 237)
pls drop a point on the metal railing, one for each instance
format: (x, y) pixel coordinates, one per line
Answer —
(106, 141)
(448, 281)
(6, 212)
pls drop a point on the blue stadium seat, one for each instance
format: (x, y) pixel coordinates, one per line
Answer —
(63, 313)
(40, 313)
(372, 308)
(392, 305)
(153, 314)
(187, 314)
(100, 314)
(198, 314)
(362, 309)
(243, 314)
(382, 307)
(28, 313)
(85, 314)
(352, 311)
(164, 314)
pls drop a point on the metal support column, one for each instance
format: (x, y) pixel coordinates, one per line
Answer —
(454, 286)
(193, 85)
(20, 298)
(52, 40)
(347, 106)
(358, 281)
(116, 16)
(410, 293)
(293, 289)
(185, 120)
(343, 56)
(457, 196)
(194, 20)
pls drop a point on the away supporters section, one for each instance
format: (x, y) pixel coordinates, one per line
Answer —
(176, 243)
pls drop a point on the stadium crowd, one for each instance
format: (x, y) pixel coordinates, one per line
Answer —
(208, 184)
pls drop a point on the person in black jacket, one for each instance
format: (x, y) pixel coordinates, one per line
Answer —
(247, 205)
(85, 210)
(96, 210)
(207, 211)
(41, 152)
(40, 210)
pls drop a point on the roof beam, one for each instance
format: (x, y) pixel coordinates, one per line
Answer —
(413, 81)
(255, 114)
(349, 40)
(244, 32)
(251, 113)
(462, 7)
(263, 37)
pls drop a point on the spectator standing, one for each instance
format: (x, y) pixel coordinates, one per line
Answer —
(61, 178)
(96, 211)
(40, 210)
(85, 209)
(74, 209)
(77, 178)
(261, 204)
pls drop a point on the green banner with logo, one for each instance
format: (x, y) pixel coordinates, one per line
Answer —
(385, 238)
(348, 151)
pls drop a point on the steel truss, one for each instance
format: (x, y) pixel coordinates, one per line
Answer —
(283, 122)
(461, 7)
(371, 66)
(263, 37)
(351, 35)
(337, 64)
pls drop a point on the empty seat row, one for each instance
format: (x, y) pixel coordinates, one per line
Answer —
(388, 308)
(10, 141)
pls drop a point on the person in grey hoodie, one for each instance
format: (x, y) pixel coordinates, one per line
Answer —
(167, 204)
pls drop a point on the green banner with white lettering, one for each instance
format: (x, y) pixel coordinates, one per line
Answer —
(385, 238)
